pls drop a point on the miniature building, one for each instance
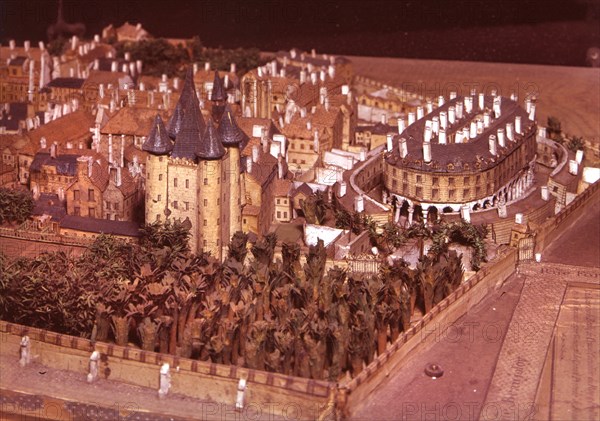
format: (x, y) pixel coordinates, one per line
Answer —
(192, 173)
(463, 155)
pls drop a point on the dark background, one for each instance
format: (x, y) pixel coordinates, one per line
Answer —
(519, 31)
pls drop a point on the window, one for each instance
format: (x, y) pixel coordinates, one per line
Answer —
(451, 194)
(467, 180)
(92, 212)
(158, 198)
(404, 175)
(278, 202)
(302, 146)
(206, 181)
(451, 181)
(419, 179)
(159, 177)
(219, 201)
(175, 182)
(75, 194)
(435, 194)
(175, 204)
(466, 193)
(205, 243)
(303, 161)
(394, 183)
(205, 202)
(435, 181)
(77, 211)
(278, 215)
(285, 215)
(187, 183)
(91, 197)
(245, 222)
(477, 191)
(419, 192)
(187, 205)
(218, 221)
(205, 223)
(395, 170)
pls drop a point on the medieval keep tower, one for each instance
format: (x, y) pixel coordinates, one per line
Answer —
(193, 173)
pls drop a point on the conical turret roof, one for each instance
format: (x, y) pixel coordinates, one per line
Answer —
(187, 91)
(211, 146)
(218, 89)
(158, 141)
(230, 132)
(190, 134)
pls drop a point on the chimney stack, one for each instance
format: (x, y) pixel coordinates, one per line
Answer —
(481, 101)
(518, 124)
(528, 104)
(468, 104)
(497, 106)
(441, 100)
(255, 153)
(453, 95)
(403, 147)
(401, 125)
(419, 112)
(249, 164)
(53, 150)
(442, 136)
(280, 166)
(479, 126)
(389, 141)
(114, 66)
(509, 132)
(427, 134)
(443, 120)
(207, 66)
(532, 112)
(451, 114)
(473, 130)
(138, 66)
(459, 110)
(359, 203)
(42, 45)
(501, 140)
(12, 44)
(411, 118)
(486, 119)
(435, 126)
(492, 142)
(426, 152)
(316, 141)
(26, 45)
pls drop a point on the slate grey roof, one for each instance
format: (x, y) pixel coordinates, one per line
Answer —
(211, 146)
(231, 134)
(49, 204)
(218, 90)
(66, 82)
(192, 127)
(158, 141)
(187, 91)
(65, 164)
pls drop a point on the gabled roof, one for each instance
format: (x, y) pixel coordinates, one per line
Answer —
(218, 90)
(131, 121)
(230, 132)
(158, 141)
(210, 146)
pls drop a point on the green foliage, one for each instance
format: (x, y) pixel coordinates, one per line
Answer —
(159, 56)
(315, 208)
(170, 234)
(576, 143)
(15, 205)
(463, 233)
(57, 47)
(554, 129)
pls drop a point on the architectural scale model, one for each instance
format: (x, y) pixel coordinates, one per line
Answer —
(286, 234)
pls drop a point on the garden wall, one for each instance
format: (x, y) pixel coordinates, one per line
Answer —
(197, 379)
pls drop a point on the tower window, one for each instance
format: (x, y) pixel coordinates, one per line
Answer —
(187, 184)
(205, 202)
(206, 181)
(187, 205)
(176, 204)
(159, 177)
(205, 223)
(175, 182)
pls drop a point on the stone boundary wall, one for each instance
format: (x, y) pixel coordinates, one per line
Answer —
(44, 237)
(427, 330)
(552, 228)
(197, 379)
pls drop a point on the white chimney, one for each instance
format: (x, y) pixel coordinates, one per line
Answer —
(492, 142)
(101, 90)
(30, 90)
(429, 106)
(110, 148)
(451, 114)
(420, 112)
(207, 67)
(509, 132)
(331, 71)
(97, 38)
(26, 45)
(459, 110)
(435, 124)
(401, 125)
(519, 219)
(118, 181)
(427, 134)
(390, 142)
(142, 86)
(71, 72)
(41, 45)
(501, 140)
(74, 42)
(232, 68)
(43, 143)
(579, 156)
(458, 137)
(403, 147)
(466, 134)
(302, 76)
(486, 119)
(443, 120)
(114, 66)
(139, 66)
(518, 124)
(497, 106)
(453, 95)
(473, 130)
(280, 166)
(124, 68)
(479, 126)
(255, 153)
(468, 104)
(249, 164)
(359, 203)
(426, 152)
(316, 141)
(573, 167)
(440, 100)
(532, 112)
(342, 189)
(127, 56)
(442, 136)
(527, 104)
(383, 118)
(345, 89)
(481, 101)
(308, 125)
(313, 78)
(132, 69)
(542, 132)
(411, 118)
(12, 44)
(545, 193)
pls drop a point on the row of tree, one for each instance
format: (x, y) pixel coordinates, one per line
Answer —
(15, 205)
(278, 315)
